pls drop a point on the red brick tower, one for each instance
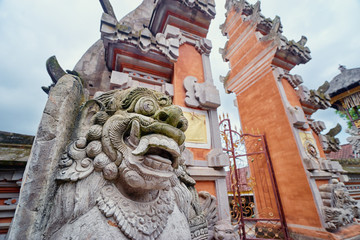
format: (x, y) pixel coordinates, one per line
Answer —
(272, 100)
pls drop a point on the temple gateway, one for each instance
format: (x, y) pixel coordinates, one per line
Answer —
(130, 145)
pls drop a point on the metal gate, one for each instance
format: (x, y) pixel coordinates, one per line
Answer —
(254, 197)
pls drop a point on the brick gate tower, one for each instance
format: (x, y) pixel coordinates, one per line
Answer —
(274, 101)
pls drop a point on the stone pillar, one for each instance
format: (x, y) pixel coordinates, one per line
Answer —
(53, 135)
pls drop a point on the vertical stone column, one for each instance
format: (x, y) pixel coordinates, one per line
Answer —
(54, 133)
(216, 158)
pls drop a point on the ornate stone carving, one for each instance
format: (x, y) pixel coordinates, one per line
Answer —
(137, 220)
(317, 126)
(329, 142)
(294, 80)
(204, 46)
(56, 72)
(223, 230)
(316, 99)
(298, 117)
(112, 31)
(189, 85)
(340, 208)
(204, 95)
(289, 52)
(296, 50)
(354, 140)
(207, 7)
(207, 95)
(125, 173)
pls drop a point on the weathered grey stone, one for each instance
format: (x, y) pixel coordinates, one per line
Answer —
(121, 176)
(204, 46)
(171, 32)
(92, 68)
(189, 85)
(204, 95)
(340, 208)
(335, 165)
(298, 117)
(294, 80)
(108, 23)
(38, 186)
(317, 126)
(207, 95)
(120, 80)
(217, 158)
(223, 230)
(94, 225)
(354, 140)
(317, 99)
(106, 5)
(329, 142)
(188, 156)
(311, 164)
(139, 17)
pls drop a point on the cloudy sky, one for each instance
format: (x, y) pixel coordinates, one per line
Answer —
(32, 31)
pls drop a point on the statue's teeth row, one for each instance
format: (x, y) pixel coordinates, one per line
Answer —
(156, 164)
(156, 140)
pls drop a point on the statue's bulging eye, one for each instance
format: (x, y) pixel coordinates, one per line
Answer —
(163, 101)
(146, 106)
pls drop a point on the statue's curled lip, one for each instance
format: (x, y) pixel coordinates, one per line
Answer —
(159, 151)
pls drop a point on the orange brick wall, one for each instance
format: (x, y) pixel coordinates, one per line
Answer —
(188, 64)
(208, 186)
(294, 101)
(261, 107)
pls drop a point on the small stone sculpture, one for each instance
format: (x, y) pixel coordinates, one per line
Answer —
(223, 230)
(354, 140)
(329, 142)
(124, 175)
(340, 208)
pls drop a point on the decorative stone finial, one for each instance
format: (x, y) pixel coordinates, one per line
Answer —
(302, 41)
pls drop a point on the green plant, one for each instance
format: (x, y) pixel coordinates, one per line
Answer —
(352, 112)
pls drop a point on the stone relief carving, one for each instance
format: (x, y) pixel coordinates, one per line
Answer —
(317, 126)
(189, 85)
(318, 99)
(113, 31)
(354, 140)
(207, 7)
(124, 176)
(329, 142)
(223, 230)
(269, 29)
(217, 230)
(204, 95)
(340, 208)
(298, 118)
(294, 80)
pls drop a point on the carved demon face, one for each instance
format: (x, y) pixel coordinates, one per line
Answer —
(148, 132)
(135, 138)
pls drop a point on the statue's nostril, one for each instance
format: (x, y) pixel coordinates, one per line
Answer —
(163, 116)
(180, 125)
